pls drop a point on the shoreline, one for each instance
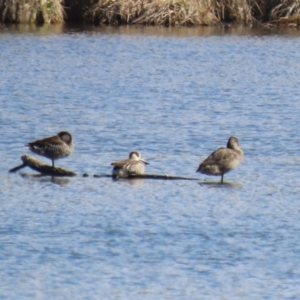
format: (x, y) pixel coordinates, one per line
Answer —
(167, 13)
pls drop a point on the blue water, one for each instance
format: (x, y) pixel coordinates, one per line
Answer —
(175, 95)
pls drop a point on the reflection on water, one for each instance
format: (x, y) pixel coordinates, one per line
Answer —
(131, 181)
(46, 29)
(62, 181)
(137, 30)
(220, 184)
(173, 94)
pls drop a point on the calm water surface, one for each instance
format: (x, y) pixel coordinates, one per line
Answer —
(175, 95)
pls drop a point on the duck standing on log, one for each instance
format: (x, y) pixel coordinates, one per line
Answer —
(223, 159)
(54, 147)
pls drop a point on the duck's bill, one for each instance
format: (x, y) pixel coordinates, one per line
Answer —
(146, 163)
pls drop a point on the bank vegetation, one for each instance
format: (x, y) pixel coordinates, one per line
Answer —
(153, 12)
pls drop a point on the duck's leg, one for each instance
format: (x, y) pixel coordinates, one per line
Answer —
(52, 163)
(222, 178)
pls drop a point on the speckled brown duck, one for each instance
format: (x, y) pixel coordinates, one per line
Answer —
(223, 159)
(54, 147)
(134, 165)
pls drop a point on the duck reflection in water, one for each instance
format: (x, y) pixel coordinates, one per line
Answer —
(62, 181)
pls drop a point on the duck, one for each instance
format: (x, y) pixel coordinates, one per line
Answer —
(223, 159)
(54, 147)
(133, 165)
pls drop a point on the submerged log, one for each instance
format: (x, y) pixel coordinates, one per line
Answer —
(42, 168)
(145, 176)
(165, 176)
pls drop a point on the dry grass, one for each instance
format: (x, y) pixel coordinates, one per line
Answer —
(114, 12)
(51, 11)
(155, 12)
(285, 9)
(190, 12)
(31, 11)
(178, 12)
(239, 11)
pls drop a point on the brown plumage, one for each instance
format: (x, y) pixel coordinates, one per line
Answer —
(54, 147)
(223, 159)
(134, 165)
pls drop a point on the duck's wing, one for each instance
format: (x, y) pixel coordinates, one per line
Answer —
(130, 165)
(220, 157)
(50, 147)
(135, 167)
(220, 161)
(53, 140)
(119, 164)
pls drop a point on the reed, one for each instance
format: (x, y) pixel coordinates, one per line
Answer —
(237, 11)
(31, 11)
(114, 12)
(178, 12)
(285, 9)
(153, 12)
(191, 12)
(51, 11)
